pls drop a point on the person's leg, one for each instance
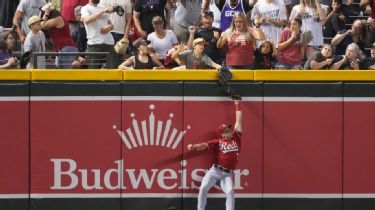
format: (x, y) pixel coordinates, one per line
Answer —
(93, 61)
(227, 187)
(65, 61)
(209, 180)
(112, 62)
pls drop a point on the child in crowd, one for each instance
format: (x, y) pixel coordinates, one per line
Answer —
(36, 41)
(321, 60)
(290, 51)
(196, 58)
(265, 56)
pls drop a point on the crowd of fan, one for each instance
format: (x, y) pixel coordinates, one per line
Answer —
(191, 34)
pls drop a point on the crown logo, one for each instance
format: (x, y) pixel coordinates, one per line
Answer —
(148, 135)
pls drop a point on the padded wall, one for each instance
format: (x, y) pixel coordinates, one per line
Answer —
(75, 150)
(122, 145)
(14, 145)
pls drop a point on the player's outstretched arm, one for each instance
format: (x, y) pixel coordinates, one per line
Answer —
(196, 147)
(238, 125)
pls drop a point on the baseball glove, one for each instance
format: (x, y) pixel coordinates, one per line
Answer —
(305, 37)
(121, 46)
(224, 75)
(25, 59)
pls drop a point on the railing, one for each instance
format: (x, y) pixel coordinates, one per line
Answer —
(37, 62)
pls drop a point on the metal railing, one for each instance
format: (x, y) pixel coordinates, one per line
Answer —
(49, 58)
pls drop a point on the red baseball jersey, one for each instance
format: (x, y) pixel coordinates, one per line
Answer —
(226, 151)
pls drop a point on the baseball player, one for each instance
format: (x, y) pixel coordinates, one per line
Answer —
(226, 149)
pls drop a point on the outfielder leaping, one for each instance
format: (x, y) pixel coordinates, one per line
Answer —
(226, 149)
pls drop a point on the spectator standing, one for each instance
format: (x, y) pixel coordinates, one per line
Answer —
(351, 60)
(7, 61)
(67, 11)
(121, 24)
(369, 63)
(161, 40)
(35, 41)
(98, 26)
(213, 8)
(60, 34)
(322, 60)
(357, 34)
(79, 35)
(187, 14)
(145, 10)
(312, 15)
(239, 39)
(26, 9)
(273, 18)
(7, 10)
(194, 59)
(209, 33)
(143, 59)
(229, 8)
(290, 51)
(335, 20)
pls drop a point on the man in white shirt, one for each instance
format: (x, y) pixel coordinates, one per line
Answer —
(99, 39)
(121, 22)
(26, 9)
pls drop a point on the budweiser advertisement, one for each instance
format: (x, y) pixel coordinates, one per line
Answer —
(124, 146)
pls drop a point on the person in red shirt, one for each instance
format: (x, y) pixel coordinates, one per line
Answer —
(227, 150)
(67, 11)
(239, 40)
(290, 51)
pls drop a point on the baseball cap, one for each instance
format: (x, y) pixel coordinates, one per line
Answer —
(33, 19)
(222, 128)
(198, 41)
(373, 46)
(207, 13)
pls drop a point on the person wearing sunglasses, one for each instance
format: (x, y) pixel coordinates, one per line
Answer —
(357, 34)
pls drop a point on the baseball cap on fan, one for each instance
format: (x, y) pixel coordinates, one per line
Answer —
(223, 128)
(208, 13)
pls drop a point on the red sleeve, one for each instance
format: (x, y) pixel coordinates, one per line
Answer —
(211, 144)
(285, 34)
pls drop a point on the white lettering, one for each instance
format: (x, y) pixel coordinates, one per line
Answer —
(57, 168)
(68, 176)
(96, 179)
(162, 177)
(118, 171)
(142, 175)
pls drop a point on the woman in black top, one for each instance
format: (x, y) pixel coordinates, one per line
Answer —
(142, 60)
(351, 60)
(320, 60)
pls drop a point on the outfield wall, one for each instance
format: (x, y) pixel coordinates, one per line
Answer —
(117, 139)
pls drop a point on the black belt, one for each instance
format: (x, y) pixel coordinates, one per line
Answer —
(222, 168)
